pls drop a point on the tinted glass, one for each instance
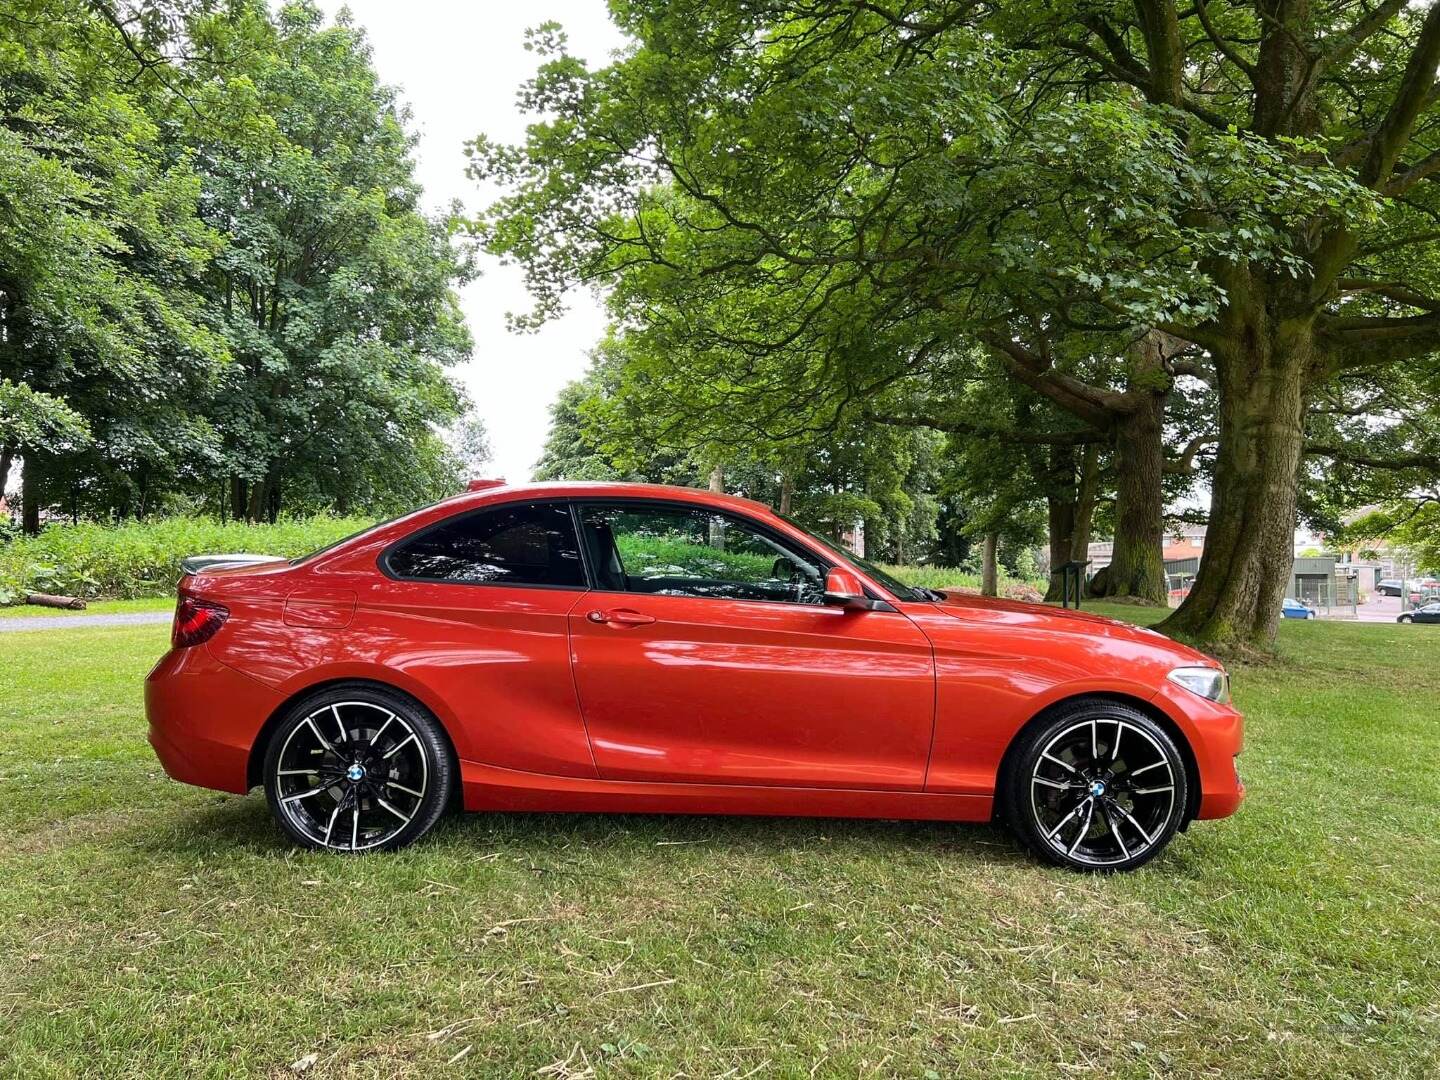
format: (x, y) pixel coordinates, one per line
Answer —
(677, 551)
(525, 544)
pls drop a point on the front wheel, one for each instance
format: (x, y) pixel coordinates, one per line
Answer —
(358, 768)
(1097, 786)
(1310, 615)
(1405, 618)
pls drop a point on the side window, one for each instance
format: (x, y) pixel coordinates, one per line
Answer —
(515, 544)
(678, 551)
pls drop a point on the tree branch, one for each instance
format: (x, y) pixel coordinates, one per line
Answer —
(1396, 462)
(1416, 85)
(961, 427)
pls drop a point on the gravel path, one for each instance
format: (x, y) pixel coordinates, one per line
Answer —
(54, 622)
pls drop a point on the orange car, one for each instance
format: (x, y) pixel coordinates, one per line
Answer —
(620, 647)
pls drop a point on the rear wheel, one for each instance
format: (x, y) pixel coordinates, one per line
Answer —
(358, 768)
(1405, 618)
(1098, 786)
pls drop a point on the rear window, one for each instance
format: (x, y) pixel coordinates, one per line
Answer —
(514, 544)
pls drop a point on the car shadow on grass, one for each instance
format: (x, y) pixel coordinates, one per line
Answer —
(232, 822)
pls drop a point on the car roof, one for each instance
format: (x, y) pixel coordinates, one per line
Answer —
(605, 489)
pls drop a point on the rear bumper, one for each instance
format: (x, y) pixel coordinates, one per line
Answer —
(1216, 734)
(204, 718)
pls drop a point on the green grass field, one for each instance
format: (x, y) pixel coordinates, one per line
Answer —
(149, 929)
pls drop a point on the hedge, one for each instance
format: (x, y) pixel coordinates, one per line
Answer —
(143, 558)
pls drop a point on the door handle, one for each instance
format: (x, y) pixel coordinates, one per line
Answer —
(620, 617)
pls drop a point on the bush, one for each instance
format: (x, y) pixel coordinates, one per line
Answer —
(143, 558)
(949, 577)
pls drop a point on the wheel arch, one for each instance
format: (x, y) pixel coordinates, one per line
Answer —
(1149, 708)
(255, 764)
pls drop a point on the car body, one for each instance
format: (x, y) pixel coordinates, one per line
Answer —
(602, 687)
(1291, 608)
(1426, 613)
(1390, 587)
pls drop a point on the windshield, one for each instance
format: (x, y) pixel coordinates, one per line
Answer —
(903, 591)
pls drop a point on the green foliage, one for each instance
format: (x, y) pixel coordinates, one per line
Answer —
(32, 420)
(212, 251)
(143, 558)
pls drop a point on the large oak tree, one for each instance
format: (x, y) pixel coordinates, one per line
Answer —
(1249, 179)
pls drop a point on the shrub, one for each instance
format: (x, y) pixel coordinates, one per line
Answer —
(143, 558)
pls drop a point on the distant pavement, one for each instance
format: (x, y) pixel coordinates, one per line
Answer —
(57, 622)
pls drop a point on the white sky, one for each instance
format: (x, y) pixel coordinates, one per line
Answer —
(458, 64)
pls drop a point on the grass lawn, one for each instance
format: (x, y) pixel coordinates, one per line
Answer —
(149, 929)
(95, 607)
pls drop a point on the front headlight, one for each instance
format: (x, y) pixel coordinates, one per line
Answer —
(1208, 682)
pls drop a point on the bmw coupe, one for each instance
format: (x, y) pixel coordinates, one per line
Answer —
(621, 647)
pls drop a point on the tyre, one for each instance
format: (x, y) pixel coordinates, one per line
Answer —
(1309, 615)
(1405, 618)
(358, 768)
(1097, 785)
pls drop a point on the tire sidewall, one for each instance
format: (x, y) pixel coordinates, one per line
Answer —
(440, 761)
(1015, 803)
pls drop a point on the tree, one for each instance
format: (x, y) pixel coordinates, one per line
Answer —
(1056, 181)
(101, 246)
(334, 291)
(470, 443)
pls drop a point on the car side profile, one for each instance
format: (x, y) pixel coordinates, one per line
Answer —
(1290, 608)
(622, 647)
(1426, 613)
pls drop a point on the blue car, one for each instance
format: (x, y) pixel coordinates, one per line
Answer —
(1294, 609)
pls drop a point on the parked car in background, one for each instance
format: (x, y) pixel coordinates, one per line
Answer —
(1290, 608)
(1427, 613)
(1390, 587)
(639, 649)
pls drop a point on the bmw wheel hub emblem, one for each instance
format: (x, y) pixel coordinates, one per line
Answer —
(355, 773)
(1097, 788)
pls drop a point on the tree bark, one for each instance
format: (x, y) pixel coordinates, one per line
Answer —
(7, 455)
(30, 488)
(1137, 566)
(787, 493)
(1249, 543)
(717, 525)
(239, 498)
(1062, 507)
(989, 570)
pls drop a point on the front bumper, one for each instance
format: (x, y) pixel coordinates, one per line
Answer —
(204, 718)
(1216, 734)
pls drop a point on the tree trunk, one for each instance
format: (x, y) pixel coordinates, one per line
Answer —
(717, 525)
(239, 497)
(7, 455)
(787, 493)
(1085, 502)
(1137, 566)
(989, 571)
(30, 487)
(1249, 543)
(1062, 505)
(255, 506)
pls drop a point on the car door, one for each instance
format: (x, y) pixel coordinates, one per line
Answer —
(475, 607)
(706, 654)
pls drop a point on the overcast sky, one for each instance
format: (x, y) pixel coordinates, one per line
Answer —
(458, 64)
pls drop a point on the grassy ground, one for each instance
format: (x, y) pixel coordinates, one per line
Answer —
(149, 929)
(94, 607)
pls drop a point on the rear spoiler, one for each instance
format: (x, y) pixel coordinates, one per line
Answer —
(195, 564)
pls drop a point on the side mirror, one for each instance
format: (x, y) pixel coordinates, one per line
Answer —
(843, 589)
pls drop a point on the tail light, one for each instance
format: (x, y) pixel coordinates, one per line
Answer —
(196, 621)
